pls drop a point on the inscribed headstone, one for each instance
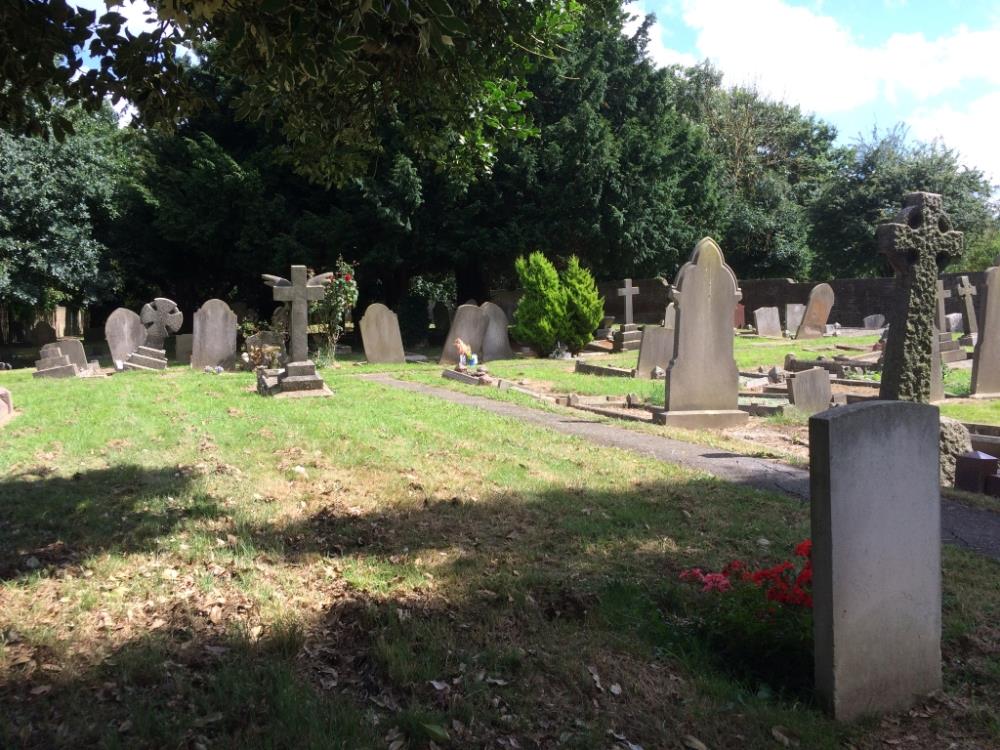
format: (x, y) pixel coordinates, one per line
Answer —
(817, 312)
(986, 355)
(655, 350)
(793, 316)
(702, 374)
(767, 321)
(469, 324)
(496, 340)
(214, 343)
(380, 335)
(915, 242)
(876, 556)
(124, 333)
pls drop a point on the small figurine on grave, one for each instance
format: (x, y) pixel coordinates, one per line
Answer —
(466, 357)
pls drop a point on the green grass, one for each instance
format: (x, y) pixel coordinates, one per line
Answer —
(441, 574)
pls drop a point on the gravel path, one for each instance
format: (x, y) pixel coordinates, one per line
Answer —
(976, 529)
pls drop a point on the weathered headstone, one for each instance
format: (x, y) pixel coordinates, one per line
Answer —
(214, 342)
(670, 317)
(986, 355)
(124, 333)
(299, 375)
(380, 335)
(628, 292)
(496, 340)
(183, 346)
(813, 324)
(655, 350)
(162, 318)
(915, 242)
(966, 291)
(469, 324)
(809, 391)
(793, 316)
(876, 556)
(702, 379)
(767, 321)
(955, 323)
(875, 321)
(72, 348)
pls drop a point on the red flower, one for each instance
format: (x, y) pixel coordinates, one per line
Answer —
(804, 548)
(347, 277)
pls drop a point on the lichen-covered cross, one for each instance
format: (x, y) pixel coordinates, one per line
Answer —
(300, 291)
(917, 243)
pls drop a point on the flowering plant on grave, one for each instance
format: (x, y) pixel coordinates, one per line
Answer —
(760, 620)
(340, 298)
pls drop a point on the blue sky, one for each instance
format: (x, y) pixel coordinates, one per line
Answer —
(933, 65)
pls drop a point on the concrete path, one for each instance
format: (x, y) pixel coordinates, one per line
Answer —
(976, 529)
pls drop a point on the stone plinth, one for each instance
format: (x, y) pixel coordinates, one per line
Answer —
(147, 358)
(876, 532)
(295, 379)
(627, 339)
(702, 419)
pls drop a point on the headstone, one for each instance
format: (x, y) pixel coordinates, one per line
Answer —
(162, 318)
(986, 355)
(183, 345)
(876, 556)
(702, 379)
(874, 322)
(124, 333)
(470, 324)
(941, 296)
(767, 321)
(628, 292)
(267, 349)
(299, 375)
(380, 335)
(817, 313)
(214, 342)
(966, 291)
(655, 350)
(496, 340)
(972, 469)
(915, 242)
(955, 323)
(52, 363)
(793, 316)
(809, 391)
(72, 348)
(740, 316)
(670, 317)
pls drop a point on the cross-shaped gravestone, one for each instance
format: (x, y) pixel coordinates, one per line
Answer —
(967, 291)
(300, 291)
(917, 241)
(941, 295)
(161, 318)
(628, 292)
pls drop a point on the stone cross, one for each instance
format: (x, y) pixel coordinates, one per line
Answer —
(915, 242)
(161, 317)
(300, 291)
(941, 295)
(967, 291)
(628, 291)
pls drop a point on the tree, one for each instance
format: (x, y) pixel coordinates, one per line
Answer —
(583, 304)
(328, 73)
(539, 318)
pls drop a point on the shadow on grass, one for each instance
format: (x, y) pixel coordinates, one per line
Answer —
(51, 521)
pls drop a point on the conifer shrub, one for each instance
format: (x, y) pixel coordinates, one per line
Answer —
(583, 304)
(540, 315)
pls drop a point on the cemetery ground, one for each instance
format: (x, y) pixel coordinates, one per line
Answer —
(186, 564)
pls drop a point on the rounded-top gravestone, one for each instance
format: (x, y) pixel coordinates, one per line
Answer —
(380, 335)
(124, 333)
(161, 317)
(214, 342)
(496, 339)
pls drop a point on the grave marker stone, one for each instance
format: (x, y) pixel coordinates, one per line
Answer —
(793, 316)
(470, 324)
(813, 324)
(941, 295)
(875, 321)
(670, 317)
(876, 556)
(214, 338)
(496, 340)
(162, 318)
(966, 291)
(915, 242)
(702, 380)
(628, 292)
(809, 391)
(52, 363)
(380, 336)
(124, 333)
(986, 355)
(655, 350)
(955, 323)
(767, 322)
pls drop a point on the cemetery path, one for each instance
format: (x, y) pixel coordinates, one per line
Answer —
(973, 528)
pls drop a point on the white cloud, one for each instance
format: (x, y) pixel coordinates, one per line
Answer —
(658, 51)
(970, 129)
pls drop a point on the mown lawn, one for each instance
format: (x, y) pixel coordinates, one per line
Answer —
(186, 564)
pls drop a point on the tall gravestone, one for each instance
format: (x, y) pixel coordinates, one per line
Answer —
(767, 321)
(469, 324)
(702, 379)
(986, 356)
(817, 313)
(380, 335)
(496, 339)
(298, 376)
(915, 243)
(124, 333)
(214, 342)
(876, 555)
